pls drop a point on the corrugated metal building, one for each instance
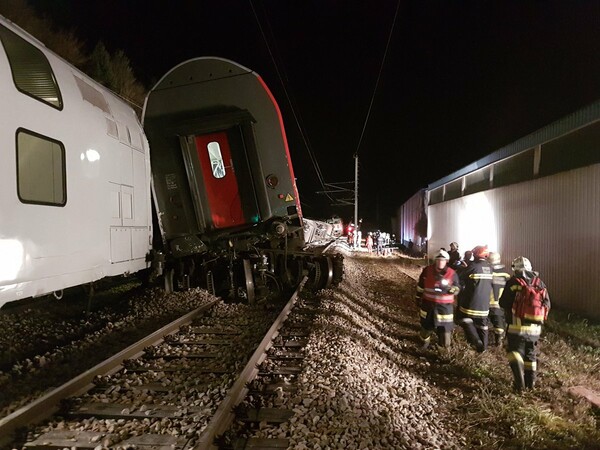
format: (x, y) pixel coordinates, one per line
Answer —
(412, 220)
(538, 197)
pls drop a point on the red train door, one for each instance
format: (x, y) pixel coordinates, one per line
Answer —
(221, 183)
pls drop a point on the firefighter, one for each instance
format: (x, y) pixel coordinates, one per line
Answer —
(437, 286)
(524, 325)
(499, 278)
(454, 254)
(474, 302)
(369, 242)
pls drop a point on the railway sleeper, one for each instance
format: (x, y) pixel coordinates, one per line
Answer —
(260, 444)
(201, 355)
(196, 370)
(89, 440)
(123, 411)
(269, 415)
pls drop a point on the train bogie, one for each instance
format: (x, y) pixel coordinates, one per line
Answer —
(75, 175)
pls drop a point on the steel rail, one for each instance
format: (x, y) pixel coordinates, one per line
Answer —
(224, 415)
(47, 405)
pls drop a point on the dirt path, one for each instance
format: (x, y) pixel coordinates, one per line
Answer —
(466, 398)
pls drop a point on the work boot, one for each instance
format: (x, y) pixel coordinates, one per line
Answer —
(471, 333)
(498, 339)
(519, 377)
(529, 379)
(483, 335)
(445, 339)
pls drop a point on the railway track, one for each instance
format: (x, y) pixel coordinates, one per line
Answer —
(175, 389)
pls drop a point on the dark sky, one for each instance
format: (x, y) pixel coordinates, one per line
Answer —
(461, 78)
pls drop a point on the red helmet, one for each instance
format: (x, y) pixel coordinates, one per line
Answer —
(481, 251)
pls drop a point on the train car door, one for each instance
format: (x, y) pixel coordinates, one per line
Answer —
(220, 179)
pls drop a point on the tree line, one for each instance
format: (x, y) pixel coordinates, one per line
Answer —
(112, 70)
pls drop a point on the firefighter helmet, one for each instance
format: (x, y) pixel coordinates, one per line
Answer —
(442, 254)
(521, 263)
(494, 258)
(481, 251)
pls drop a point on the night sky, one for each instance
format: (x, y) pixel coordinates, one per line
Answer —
(461, 78)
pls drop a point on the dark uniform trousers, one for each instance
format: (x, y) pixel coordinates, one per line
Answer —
(522, 352)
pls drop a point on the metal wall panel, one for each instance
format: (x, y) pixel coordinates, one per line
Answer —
(410, 213)
(554, 221)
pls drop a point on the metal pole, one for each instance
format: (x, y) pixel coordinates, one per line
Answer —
(356, 190)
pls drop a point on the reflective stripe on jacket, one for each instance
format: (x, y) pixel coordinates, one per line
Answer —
(477, 282)
(499, 279)
(438, 287)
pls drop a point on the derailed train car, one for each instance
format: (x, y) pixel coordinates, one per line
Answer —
(224, 188)
(76, 181)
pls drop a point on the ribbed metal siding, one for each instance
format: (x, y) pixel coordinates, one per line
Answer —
(554, 221)
(410, 212)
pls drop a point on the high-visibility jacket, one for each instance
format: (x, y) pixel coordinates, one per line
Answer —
(476, 281)
(499, 279)
(437, 287)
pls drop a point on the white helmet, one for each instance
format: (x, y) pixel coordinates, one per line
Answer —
(494, 258)
(521, 263)
(442, 254)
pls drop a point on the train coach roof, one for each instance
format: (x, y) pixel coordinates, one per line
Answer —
(578, 119)
(194, 72)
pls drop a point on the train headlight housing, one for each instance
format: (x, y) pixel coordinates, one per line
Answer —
(272, 181)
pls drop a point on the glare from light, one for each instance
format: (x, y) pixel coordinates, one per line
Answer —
(477, 222)
(82, 156)
(11, 259)
(92, 155)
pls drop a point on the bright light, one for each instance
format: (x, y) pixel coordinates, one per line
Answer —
(476, 222)
(92, 155)
(11, 259)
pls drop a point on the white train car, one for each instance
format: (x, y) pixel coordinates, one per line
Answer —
(75, 174)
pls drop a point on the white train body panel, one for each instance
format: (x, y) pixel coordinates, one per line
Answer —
(104, 227)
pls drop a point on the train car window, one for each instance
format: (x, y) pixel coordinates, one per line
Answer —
(216, 159)
(41, 174)
(30, 69)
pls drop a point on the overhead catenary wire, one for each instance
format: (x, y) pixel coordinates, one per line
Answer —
(378, 78)
(294, 113)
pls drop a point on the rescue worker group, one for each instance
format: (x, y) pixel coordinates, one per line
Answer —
(516, 305)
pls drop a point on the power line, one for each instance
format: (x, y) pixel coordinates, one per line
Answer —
(378, 77)
(296, 118)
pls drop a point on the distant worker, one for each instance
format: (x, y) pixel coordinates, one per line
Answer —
(379, 242)
(369, 242)
(474, 302)
(454, 254)
(411, 247)
(437, 286)
(499, 279)
(526, 303)
(461, 265)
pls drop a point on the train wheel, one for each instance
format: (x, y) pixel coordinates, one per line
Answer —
(328, 271)
(249, 279)
(338, 270)
(316, 275)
